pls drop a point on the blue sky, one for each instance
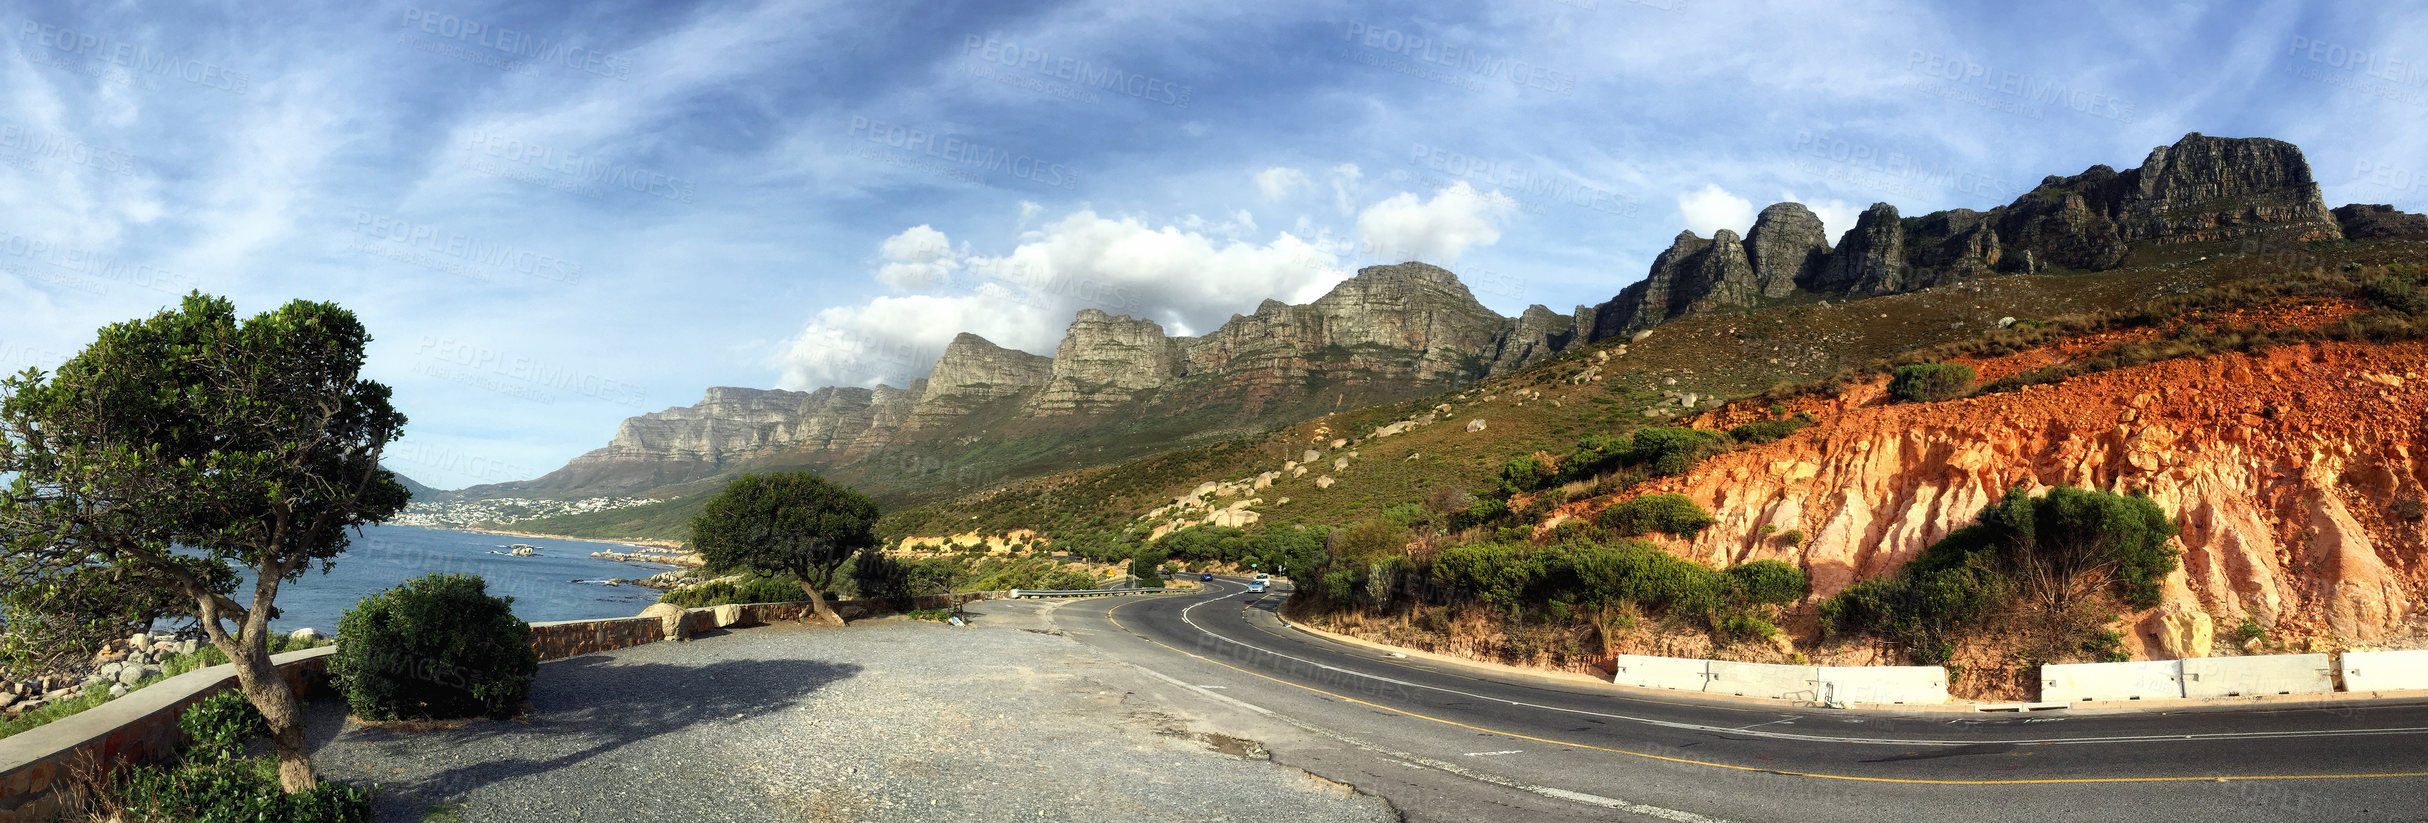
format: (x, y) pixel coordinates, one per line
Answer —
(557, 217)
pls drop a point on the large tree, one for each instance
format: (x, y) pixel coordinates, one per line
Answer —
(176, 447)
(793, 523)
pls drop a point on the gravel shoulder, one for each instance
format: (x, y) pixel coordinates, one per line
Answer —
(888, 720)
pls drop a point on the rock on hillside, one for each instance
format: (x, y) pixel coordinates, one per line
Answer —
(974, 373)
(2380, 222)
(2292, 514)
(1105, 361)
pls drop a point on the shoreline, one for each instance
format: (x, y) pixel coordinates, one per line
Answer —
(676, 545)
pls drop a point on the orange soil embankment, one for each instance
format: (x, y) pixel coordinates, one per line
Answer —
(2295, 475)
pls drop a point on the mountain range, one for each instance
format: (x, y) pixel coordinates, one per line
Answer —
(1118, 386)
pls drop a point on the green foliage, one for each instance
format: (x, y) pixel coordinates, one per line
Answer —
(1143, 566)
(878, 576)
(1765, 431)
(1792, 537)
(1668, 513)
(2250, 630)
(1930, 382)
(1768, 582)
(253, 443)
(1747, 628)
(437, 647)
(1525, 473)
(226, 791)
(94, 695)
(1672, 451)
(2398, 293)
(2023, 545)
(1480, 513)
(220, 724)
(1369, 542)
(752, 588)
(2106, 646)
(55, 621)
(936, 615)
(997, 574)
(794, 523)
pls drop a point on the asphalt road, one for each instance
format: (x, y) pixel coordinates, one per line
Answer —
(1456, 743)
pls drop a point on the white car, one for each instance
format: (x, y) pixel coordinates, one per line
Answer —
(1256, 586)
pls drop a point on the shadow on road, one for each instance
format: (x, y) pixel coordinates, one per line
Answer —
(583, 708)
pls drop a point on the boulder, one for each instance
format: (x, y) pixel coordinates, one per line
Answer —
(307, 635)
(2182, 631)
(1324, 482)
(729, 614)
(1475, 425)
(670, 615)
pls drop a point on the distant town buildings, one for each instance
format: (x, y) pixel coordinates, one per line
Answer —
(503, 511)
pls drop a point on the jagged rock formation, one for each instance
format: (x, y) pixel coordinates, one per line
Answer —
(1787, 242)
(974, 373)
(2200, 188)
(1412, 321)
(1106, 361)
(2380, 222)
(1535, 334)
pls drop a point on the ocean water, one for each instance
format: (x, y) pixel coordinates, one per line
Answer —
(562, 583)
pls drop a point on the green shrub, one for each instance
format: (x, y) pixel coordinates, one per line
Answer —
(220, 724)
(2067, 535)
(753, 588)
(1143, 566)
(1669, 513)
(233, 791)
(2397, 293)
(876, 575)
(1480, 513)
(1673, 450)
(1525, 473)
(1768, 582)
(2250, 630)
(1746, 627)
(1765, 431)
(1792, 537)
(1930, 382)
(437, 647)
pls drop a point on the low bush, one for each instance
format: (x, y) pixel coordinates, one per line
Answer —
(225, 790)
(1930, 382)
(1765, 431)
(214, 784)
(220, 724)
(1667, 513)
(2046, 549)
(754, 588)
(1673, 450)
(1480, 513)
(1144, 566)
(1768, 582)
(437, 647)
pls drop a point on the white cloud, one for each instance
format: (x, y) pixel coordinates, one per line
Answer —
(1280, 182)
(1711, 208)
(919, 258)
(1435, 231)
(1836, 215)
(1029, 209)
(1344, 187)
(1186, 280)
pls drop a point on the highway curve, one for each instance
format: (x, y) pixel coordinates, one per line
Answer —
(1451, 742)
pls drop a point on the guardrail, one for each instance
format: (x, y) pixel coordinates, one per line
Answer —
(1016, 594)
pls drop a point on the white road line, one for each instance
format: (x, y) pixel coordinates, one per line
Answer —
(1414, 761)
(1750, 731)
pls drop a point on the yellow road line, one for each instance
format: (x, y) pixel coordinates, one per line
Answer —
(1108, 615)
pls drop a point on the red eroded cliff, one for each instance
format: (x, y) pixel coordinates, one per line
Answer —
(2295, 474)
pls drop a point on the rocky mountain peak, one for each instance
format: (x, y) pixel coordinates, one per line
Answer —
(1787, 243)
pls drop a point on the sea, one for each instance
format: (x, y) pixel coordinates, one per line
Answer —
(562, 582)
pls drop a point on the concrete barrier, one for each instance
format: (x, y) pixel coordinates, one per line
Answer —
(1769, 680)
(2111, 682)
(2257, 675)
(1842, 685)
(2385, 671)
(1659, 672)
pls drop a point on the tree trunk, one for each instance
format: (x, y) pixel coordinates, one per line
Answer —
(817, 601)
(277, 703)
